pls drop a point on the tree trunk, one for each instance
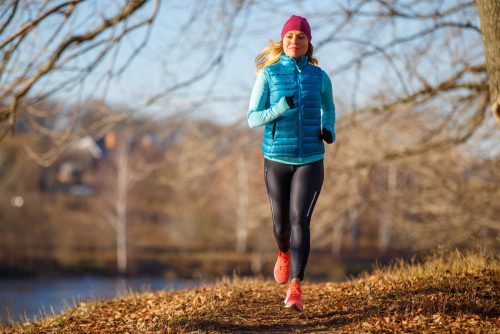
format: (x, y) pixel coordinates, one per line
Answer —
(353, 228)
(338, 229)
(489, 15)
(242, 211)
(388, 217)
(121, 206)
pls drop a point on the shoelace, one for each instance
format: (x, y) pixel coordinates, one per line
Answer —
(283, 259)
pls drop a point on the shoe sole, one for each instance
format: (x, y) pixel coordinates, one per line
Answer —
(276, 279)
(284, 282)
(294, 308)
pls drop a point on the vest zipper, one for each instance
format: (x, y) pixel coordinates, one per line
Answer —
(299, 109)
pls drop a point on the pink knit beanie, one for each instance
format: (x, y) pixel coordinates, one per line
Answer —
(297, 23)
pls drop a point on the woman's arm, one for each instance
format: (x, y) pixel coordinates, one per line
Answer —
(257, 114)
(327, 105)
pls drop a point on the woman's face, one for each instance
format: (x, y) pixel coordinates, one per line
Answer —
(295, 43)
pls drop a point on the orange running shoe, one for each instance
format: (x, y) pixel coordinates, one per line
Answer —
(282, 268)
(294, 297)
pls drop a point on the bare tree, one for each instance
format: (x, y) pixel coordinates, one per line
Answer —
(63, 45)
(52, 47)
(121, 171)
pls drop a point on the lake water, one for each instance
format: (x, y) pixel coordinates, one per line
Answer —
(30, 299)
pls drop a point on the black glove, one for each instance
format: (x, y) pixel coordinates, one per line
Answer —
(327, 136)
(289, 100)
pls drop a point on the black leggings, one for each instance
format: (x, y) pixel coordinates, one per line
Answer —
(293, 191)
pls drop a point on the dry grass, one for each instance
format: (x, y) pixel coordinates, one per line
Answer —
(452, 293)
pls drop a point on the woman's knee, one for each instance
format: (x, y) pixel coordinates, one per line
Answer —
(282, 230)
(299, 218)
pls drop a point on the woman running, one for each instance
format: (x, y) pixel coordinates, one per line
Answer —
(292, 98)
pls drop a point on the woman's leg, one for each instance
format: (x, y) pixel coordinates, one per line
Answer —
(305, 189)
(278, 179)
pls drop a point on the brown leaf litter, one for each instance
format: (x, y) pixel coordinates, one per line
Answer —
(454, 294)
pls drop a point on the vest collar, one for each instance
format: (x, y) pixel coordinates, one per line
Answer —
(289, 61)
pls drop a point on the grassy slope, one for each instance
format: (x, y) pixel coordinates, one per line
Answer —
(451, 293)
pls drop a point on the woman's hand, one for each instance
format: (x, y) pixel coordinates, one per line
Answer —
(327, 136)
(289, 100)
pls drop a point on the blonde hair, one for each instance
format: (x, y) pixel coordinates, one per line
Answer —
(271, 55)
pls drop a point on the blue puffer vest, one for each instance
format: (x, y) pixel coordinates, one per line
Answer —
(296, 133)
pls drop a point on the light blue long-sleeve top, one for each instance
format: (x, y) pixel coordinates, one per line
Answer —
(260, 113)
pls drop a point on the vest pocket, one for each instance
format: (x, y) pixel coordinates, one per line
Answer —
(274, 130)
